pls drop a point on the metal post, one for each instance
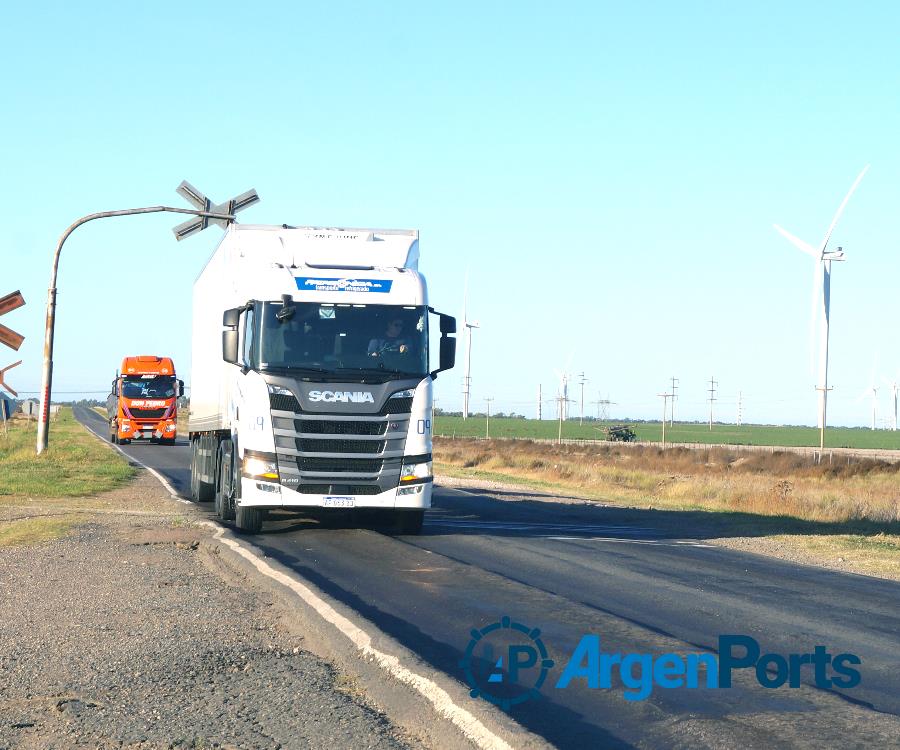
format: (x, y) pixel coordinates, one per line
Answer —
(487, 433)
(43, 431)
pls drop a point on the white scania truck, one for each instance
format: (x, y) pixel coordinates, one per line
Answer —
(311, 387)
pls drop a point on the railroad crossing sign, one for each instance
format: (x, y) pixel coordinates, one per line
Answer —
(7, 304)
(202, 203)
(3, 372)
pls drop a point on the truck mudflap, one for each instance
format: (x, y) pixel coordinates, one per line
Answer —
(262, 494)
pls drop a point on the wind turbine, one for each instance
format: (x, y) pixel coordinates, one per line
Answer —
(893, 386)
(468, 325)
(563, 394)
(822, 258)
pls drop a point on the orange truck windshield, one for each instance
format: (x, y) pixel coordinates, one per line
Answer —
(154, 387)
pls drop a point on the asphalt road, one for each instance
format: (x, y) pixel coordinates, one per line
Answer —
(640, 579)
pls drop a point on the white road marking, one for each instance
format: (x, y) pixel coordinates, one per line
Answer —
(169, 488)
(657, 542)
(549, 527)
(470, 726)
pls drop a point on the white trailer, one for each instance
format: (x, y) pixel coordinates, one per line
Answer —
(311, 387)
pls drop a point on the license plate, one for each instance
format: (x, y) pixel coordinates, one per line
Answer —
(339, 502)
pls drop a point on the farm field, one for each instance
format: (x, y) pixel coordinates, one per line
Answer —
(728, 434)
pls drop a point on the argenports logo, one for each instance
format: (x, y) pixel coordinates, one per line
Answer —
(507, 662)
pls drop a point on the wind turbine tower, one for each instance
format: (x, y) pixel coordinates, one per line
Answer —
(822, 258)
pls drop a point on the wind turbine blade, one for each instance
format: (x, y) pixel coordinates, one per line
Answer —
(466, 298)
(840, 210)
(796, 241)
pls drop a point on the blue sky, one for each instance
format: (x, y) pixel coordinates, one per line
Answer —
(609, 173)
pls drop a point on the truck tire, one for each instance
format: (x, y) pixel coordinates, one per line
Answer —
(409, 521)
(225, 482)
(248, 520)
(201, 492)
(112, 434)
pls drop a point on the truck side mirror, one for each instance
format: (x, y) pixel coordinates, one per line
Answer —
(230, 317)
(180, 387)
(230, 346)
(448, 353)
(448, 344)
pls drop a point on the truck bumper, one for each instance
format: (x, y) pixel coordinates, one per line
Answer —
(148, 430)
(257, 494)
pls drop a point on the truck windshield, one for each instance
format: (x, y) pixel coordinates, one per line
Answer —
(136, 386)
(343, 339)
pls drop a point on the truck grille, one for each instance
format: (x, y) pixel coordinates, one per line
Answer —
(147, 413)
(344, 489)
(283, 402)
(340, 438)
(343, 427)
(397, 406)
(340, 446)
(337, 464)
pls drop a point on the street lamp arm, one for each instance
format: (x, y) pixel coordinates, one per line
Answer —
(125, 212)
(47, 370)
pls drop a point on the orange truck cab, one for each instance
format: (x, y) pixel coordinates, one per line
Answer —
(143, 404)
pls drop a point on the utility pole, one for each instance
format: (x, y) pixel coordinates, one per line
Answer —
(674, 388)
(582, 381)
(740, 408)
(488, 425)
(665, 397)
(712, 399)
(539, 403)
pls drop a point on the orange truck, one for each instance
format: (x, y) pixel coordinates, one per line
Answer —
(143, 404)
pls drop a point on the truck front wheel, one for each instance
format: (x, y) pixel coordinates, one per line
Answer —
(409, 521)
(225, 482)
(248, 520)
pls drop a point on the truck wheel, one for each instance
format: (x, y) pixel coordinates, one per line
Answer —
(112, 434)
(206, 491)
(167, 441)
(201, 492)
(225, 483)
(248, 520)
(409, 521)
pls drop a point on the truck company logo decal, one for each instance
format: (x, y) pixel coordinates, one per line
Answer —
(311, 284)
(356, 397)
(145, 402)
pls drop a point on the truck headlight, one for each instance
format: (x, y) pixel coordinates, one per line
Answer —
(415, 471)
(260, 468)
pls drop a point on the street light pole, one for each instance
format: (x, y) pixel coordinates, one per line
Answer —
(43, 432)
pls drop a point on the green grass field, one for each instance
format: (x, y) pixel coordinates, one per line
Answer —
(835, 437)
(75, 464)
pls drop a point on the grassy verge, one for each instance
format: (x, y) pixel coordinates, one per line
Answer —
(34, 530)
(66, 477)
(829, 512)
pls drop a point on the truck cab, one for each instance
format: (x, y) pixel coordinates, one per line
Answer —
(311, 375)
(143, 402)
